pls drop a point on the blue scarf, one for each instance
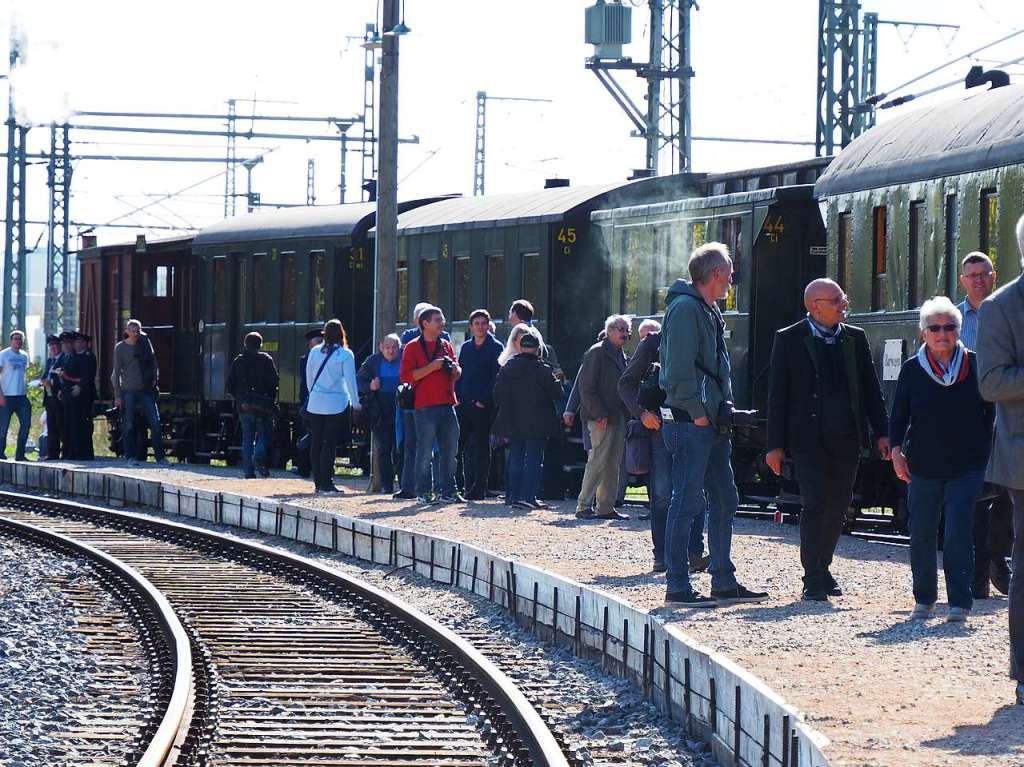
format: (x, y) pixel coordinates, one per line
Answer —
(828, 335)
(955, 372)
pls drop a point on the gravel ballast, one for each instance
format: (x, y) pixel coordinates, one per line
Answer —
(56, 685)
(885, 690)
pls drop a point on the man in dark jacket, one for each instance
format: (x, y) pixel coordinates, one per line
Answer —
(822, 398)
(695, 375)
(378, 379)
(87, 395)
(253, 382)
(659, 477)
(526, 391)
(478, 357)
(604, 418)
(51, 385)
(301, 460)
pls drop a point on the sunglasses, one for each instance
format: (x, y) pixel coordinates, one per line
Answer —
(948, 328)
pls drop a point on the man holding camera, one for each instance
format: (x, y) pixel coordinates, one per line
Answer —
(822, 397)
(696, 424)
(430, 367)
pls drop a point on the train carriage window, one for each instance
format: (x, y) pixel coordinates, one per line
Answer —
(531, 278)
(158, 281)
(952, 232)
(989, 223)
(635, 252)
(241, 287)
(461, 288)
(289, 277)
(914, 263)
(880, 259)
(496, 285)
(429, 286)
(218, 312)
(318, 285)
(698, 234)
(661, 253)
(845, 270)
(260, 286)
(730, 232)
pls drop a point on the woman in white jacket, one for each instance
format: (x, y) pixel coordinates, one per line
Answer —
(331, 372)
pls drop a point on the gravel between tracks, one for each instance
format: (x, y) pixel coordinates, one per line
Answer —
(53, 685)
(885, 690)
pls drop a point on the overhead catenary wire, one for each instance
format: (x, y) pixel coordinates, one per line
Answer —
(959, 81)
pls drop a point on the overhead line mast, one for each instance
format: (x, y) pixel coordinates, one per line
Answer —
(480, 144)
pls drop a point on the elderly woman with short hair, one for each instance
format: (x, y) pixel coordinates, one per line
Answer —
(941, 434)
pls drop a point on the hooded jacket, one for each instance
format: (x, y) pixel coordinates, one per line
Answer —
(525, 392)
(695, 366)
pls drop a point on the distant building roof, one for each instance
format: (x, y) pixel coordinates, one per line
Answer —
(540, 206)
(983, 129)
(324, 221)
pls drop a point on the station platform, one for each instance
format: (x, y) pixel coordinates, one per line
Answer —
(885, 690)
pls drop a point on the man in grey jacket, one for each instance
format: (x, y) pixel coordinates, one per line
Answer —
(1001, 380)
(695, 378)
(134, 377)
(604, 419)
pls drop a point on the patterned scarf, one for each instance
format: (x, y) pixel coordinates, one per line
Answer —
(955, 372)
(828, 335)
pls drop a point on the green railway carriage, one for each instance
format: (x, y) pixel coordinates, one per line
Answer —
(904, 203)
(465, 253)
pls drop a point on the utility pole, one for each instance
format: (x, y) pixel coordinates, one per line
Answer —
(310, 182)
(14, 301)
(666, 120)
(386, 242)
(480, 145)
(58, 313)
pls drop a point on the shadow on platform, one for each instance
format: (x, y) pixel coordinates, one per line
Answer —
(1003, 735)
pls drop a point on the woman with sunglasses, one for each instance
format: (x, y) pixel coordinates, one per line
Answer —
(941, 434)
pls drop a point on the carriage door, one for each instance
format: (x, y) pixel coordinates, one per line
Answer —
(158, 301)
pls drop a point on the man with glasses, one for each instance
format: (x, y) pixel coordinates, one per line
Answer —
(993, 518)
(823, 396)
(1001, 380)
(604, 418)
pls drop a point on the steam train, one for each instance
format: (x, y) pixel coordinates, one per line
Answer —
(888, 218)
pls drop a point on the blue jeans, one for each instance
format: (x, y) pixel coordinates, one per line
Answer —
(146, 401)
(436, 423)
(926, 498)
(525, 463)
(700, 465)
(17, 404)
(256, 433)
(407, 482)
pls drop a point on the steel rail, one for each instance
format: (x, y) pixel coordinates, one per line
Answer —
(538, 740)
(175, 716)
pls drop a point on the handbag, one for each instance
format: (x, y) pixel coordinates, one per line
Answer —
(304, 410)
(405, 395)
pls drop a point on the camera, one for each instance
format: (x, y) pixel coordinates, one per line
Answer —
(447, 365)
(729, 418)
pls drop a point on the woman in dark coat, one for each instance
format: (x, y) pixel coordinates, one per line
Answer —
(525, 392)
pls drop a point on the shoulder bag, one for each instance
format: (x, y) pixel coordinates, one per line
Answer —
(304, 410)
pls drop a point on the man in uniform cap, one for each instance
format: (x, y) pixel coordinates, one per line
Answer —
(71, 376)
(51, 385)
(87, 393)
(301, 461)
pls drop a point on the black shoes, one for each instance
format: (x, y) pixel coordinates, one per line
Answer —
(814, 595)
(611, 515)
(403, 495)
(832, 587)
(1001, 580)
(688, 599)
(584, 513)
(980, 590)
(453, 498)
(738, 595)
(699, 563)
(659, 566)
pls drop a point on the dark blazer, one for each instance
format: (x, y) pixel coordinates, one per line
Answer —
(525, 392)
(598, 382)
(794, 395)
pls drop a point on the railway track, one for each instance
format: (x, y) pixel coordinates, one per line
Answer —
(292, 664)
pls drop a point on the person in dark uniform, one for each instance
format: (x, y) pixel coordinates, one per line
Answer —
(51, 385)
(301, 460)
(86, 395)
(73, 371)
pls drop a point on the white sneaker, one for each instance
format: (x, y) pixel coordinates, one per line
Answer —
(958, 614)
(921, 612)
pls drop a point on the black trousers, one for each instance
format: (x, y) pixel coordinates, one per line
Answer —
(474, 457)
(325, 431)
(993, 536)
(1017, 590)
(826, 478)
(54, 428)
(74, 425)
(384, 444)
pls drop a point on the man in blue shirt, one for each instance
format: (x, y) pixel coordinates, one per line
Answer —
(378, 382)
(993, 519)
(478, 358)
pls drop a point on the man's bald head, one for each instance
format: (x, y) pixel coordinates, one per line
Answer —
(818, 289)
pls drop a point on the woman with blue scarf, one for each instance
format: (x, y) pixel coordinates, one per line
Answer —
(941, 434)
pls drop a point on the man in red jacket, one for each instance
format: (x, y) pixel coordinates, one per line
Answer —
(429, 365)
